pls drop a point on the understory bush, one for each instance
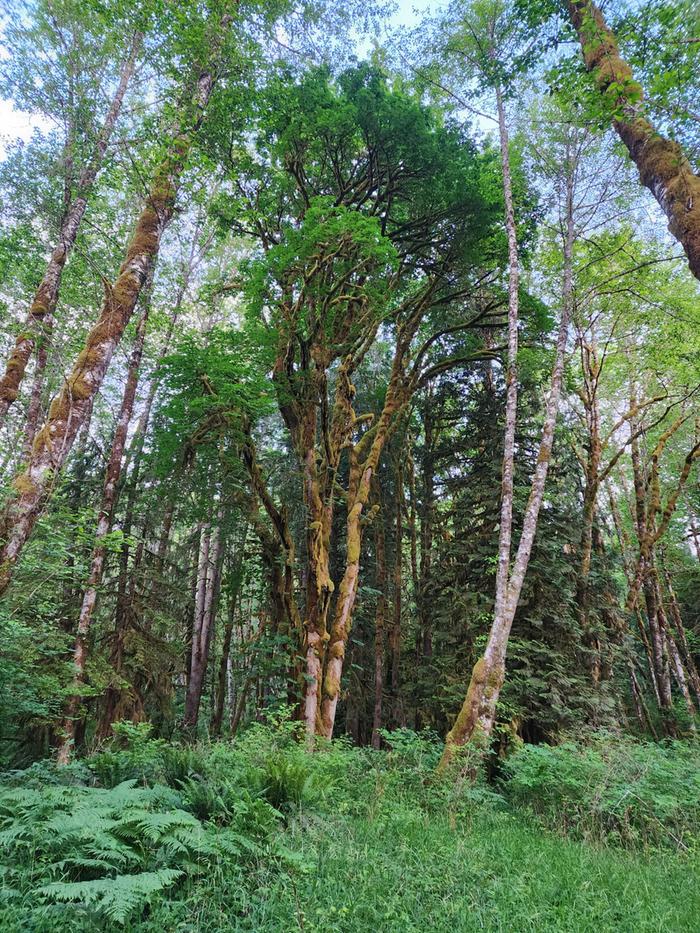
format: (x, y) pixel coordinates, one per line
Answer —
(613, 789)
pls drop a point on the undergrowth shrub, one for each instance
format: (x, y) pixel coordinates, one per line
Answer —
(613, 790)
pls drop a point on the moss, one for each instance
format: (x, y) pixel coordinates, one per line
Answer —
(24, 484)
(87, 358)
(59, 410)
(79, 388)
(663, 165)
(39, 308)
(126, 293)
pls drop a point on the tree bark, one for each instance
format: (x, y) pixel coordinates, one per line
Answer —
(104, 526)
(398, 602)
(40, 316)
(682, 638)
(379, 620)
(478, 713)
(663, 165)
(425, 646)
(69, 409)
(205, 610)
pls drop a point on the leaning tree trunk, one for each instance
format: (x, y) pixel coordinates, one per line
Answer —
(69, 409)
(104, 526)
(489, 671)
(40, 317)
(663, 165)
(478, 713)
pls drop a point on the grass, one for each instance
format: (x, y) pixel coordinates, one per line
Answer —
(403, 872)
(384, 848)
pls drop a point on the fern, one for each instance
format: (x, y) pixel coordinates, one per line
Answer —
(115, 898)
(108, 849)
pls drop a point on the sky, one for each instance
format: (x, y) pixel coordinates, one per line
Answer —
(15, 124)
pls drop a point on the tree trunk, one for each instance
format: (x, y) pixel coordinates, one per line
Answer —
(379, 620)
(489, 671)
(319, 585)
(478, 713)
(397, 710)
(663, 165)
(363, 462)
(104, 526)
(223, 687)
(682, 639)
(40, 317)
(69, 409)
(34, 409)
(425, 623)
(205, 610)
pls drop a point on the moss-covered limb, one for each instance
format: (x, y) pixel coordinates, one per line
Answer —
(663, 166)
(39, 318)
(69, 408)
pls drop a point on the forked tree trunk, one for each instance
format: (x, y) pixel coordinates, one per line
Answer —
(104, 526)
(478, 713)
(40, 316)
(319, 586)
(663, 165)
(363, 463)
(69, 409)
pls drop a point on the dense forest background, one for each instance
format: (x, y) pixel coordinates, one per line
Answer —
(349, 387)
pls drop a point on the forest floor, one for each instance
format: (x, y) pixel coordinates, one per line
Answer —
(260, 836)
(409, 872)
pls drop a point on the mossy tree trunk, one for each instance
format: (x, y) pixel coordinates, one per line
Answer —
(69, 409)
(663, 165)
(363, 458)
(104, 526)
(39, 323)
(397, 608)
(379, 618)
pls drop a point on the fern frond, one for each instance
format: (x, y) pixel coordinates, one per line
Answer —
(115, 898)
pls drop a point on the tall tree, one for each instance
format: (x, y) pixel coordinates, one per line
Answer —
(68, 410)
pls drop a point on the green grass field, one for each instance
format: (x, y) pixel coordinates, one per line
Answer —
(260, 836)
